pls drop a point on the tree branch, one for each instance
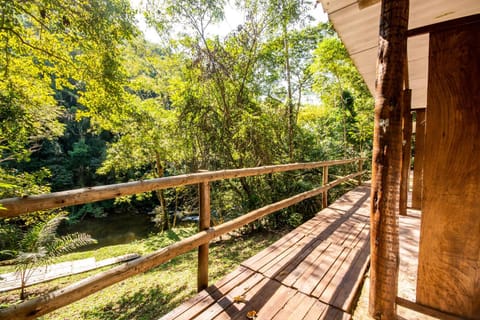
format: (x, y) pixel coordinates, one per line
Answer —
(28, 44)
(34, 18)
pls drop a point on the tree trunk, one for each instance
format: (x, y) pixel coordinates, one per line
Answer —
(161, 194)
(344, 122)
(248, 192)
(387, 159)
(290, 106)
(23, 283)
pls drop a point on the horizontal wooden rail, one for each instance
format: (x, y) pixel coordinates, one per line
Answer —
(22, 205)
(41, 305)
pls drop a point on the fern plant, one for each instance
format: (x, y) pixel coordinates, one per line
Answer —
(41, 244)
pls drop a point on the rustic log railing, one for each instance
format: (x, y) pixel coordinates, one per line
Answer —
(44, 304)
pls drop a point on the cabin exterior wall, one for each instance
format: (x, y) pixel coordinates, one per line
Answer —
(449, 257)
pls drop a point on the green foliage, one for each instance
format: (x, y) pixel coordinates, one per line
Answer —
(85, 101)
(169, 237)
(45, 44)
(348, 105)
(194, 16)
(207, 102)
(51, 46)
(92, 209)
(104, 106)
(9, 239)
(16, 183)
(40, 245)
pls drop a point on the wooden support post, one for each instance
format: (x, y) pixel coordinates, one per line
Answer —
(324, 182)
(360, 169)
(417, 192)
(387, 159)
(204, 224)
(406, 150)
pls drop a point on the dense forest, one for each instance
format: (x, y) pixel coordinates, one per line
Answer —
(85, 100)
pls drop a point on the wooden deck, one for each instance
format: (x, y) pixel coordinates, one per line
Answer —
(313, 272)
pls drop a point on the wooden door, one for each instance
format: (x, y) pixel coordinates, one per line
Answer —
(449, 257)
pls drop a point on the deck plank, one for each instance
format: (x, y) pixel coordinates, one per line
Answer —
(293, 256)
(320, 222)
(256, 260)
(339, 279)
(228, 300)
(346, 283)
(274, 255)
(312, 277)
(316, 310)
(292, 310)
(304, 269)
(203, 299)
(256, 297)
(313, 272)
(328, 276)
(322, 311)
(362, 237)
(270, 306)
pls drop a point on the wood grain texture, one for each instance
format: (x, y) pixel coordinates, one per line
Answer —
(449, 257)
(204, 224)
(406, 148)
(292, 310)
(227, 301)
(325, 181)
(387, 158)
(426, 310)
(417, 192)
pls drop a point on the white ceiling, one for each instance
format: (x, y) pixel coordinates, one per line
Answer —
(358, 29)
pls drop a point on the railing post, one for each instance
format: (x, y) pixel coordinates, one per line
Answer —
(406, 150)
(360, 169)
(324, 182)
(204, 224)
(417, 192)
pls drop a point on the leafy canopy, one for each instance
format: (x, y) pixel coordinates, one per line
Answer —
(48, 45)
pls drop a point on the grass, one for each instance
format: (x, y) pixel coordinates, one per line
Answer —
(154, 293)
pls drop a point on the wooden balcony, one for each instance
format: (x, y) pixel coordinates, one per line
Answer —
(312, 263)
(315, 271)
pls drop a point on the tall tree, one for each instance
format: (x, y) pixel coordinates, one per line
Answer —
(302, 43)
(341, 87)
(47, 45)
(286, 18)
(144, 130)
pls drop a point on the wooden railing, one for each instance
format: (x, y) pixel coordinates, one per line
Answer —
(41, 305)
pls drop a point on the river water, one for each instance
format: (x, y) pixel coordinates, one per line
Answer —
(116, 228)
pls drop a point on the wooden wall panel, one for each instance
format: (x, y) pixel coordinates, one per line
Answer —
(418, 159)
(449, 257)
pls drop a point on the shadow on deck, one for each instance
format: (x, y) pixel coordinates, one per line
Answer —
(313, 272)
